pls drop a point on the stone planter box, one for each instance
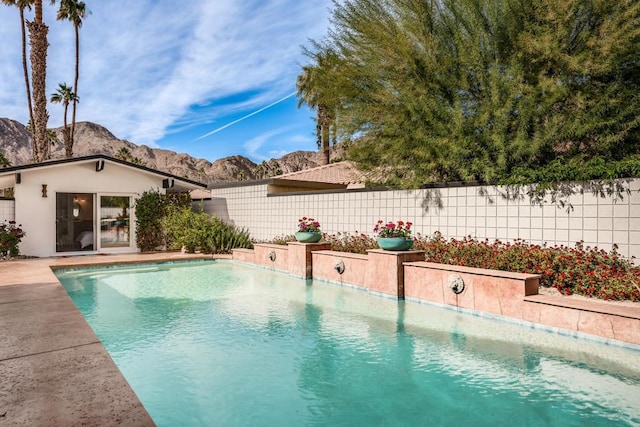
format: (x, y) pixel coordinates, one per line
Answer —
(399, 274)
(355, 267)
(244, 255)
(489, 291)
(272, 256)
(299, 258)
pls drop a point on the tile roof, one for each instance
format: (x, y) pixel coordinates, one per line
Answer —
(344, 173)
(200, 194)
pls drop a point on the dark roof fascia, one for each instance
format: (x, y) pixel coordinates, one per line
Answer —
(308, 184)
(279, 181)
(98, 157)
(234, 184)
(276, 181)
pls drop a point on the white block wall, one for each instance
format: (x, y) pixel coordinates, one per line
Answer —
(454, 211)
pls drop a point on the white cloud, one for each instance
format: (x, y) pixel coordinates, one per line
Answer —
(254, 145)
(146, 64)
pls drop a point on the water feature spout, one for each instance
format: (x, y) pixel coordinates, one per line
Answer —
(456, 284)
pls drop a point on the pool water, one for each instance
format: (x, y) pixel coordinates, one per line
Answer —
(220, 343)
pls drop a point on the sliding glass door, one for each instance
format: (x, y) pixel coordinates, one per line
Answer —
(75, 222)
(115, 221)
(78, 228)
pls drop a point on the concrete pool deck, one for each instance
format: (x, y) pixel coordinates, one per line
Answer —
(54, 369)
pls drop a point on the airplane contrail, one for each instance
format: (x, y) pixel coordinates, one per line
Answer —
(245, 117)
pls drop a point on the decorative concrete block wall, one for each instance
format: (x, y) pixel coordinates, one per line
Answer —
(477, 211)
(7, 210)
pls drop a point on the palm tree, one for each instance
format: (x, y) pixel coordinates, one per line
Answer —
(318, 93)
(22, 5)
(125, 154)
(38, 38)
(65, 95)
(4, 162)
(73, 11)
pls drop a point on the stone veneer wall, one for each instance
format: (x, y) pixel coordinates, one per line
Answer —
(7, 210)
(454, 211)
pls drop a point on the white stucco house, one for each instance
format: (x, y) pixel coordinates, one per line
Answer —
(81, 205)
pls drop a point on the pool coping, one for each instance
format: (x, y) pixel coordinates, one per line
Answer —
(55, 370)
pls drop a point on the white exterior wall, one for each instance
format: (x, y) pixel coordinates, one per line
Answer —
(463, 212)
(37, 214)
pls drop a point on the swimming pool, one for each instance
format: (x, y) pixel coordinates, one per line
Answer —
(220, 343)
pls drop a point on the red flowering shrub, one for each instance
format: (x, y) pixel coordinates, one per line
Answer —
(584, 271)
(354, 243)
(11, 235)
(280, 240)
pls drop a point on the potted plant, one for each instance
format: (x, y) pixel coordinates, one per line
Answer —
(308, 230)
(394, 236)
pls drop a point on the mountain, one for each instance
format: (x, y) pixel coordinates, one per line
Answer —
(91, 138)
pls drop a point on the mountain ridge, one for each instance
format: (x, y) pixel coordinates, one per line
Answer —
(92, 138)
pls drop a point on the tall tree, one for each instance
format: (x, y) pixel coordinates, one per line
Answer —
(474, 89)
(318, 92)
(38, 38)
(22, 5)
(65, 96)
(74, 11)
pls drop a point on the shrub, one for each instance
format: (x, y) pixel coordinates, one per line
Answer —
(227, 237)
(198, 231)
(282, 240)
(10, 237)
(150, 209)
(355, 243)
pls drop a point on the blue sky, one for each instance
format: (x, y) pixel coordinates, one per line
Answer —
(169, 77)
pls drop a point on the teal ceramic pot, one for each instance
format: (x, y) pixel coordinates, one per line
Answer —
(395, 243)
(307, 237)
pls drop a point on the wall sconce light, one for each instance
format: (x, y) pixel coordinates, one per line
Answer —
(76, 209)
(44, 190)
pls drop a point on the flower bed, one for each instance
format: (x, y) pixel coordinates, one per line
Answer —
(580, 270)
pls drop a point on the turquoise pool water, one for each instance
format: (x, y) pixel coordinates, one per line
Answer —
(219, 343)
